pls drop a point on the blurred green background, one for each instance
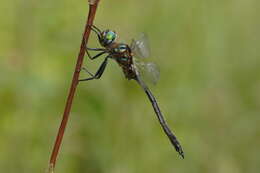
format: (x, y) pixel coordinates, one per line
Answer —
(209, 91)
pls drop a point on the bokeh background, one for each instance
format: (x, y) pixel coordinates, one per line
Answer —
(209, 90)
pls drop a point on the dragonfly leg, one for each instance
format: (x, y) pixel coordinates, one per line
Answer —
(93, 49)
(95, 29)
(86, 70)
(87, 49)
(97, 55)
(99, 72)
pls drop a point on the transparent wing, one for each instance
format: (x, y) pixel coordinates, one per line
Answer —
(147, 71)
(140, 46)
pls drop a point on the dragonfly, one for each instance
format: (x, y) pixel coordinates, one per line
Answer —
(131, 58)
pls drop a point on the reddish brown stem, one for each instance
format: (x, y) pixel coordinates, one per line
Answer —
(91, 15)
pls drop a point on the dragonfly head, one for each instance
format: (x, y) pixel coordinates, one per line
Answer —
(107, 37)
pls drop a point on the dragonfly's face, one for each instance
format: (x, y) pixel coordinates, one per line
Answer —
(107, 37)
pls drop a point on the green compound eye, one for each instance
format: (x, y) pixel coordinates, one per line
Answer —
(107, 37)
(110, 35)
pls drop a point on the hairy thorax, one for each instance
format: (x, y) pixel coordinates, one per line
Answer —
(122, 54)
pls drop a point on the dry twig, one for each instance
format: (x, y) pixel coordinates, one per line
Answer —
(91, 15)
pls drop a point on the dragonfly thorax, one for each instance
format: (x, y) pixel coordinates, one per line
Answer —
(121, 48)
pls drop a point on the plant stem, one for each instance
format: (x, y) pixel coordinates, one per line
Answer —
(91, 15)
